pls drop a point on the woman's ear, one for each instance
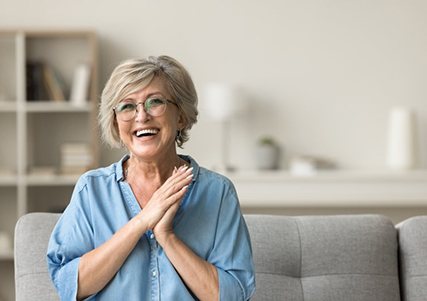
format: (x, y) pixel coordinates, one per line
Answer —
(182, 121)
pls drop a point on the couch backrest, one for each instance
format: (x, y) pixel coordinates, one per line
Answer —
(325, 258)
(296, 258)
(413, 258)
(32, 234)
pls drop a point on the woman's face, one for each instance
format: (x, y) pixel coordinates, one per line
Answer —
(148, 137)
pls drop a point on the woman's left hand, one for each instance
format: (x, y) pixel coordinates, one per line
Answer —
(164, 227)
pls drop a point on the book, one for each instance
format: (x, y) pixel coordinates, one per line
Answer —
(80, 85)
(43, 82)
(76, 158)
(35, 83)
(53, 84)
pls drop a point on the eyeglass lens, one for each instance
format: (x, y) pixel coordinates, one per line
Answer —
(152, 106)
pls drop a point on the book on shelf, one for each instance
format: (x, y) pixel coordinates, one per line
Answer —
(79, 94)
(53, 84)
(35, 83)
(76, 158)
(43, 82)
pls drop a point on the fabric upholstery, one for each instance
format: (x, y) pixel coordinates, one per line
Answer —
(413, 258)
(310, 258)
(32, 234)
(325, 258)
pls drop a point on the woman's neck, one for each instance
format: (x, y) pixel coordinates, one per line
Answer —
(152, 170)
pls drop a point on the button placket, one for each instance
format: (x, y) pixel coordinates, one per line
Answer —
(155, 283)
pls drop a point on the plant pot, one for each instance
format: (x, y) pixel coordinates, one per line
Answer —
(267, 157)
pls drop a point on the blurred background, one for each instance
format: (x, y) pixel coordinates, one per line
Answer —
(319, 107)
(320, 77)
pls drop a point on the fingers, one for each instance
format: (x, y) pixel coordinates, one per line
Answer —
(180, 177)
(168, 195)
(175, 186)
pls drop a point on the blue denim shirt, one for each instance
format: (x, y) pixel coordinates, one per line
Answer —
(208, 221)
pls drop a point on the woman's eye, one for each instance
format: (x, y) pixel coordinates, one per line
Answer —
(126, 107)
(155, 102)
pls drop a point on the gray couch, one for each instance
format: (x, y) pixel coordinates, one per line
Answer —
(311, 258)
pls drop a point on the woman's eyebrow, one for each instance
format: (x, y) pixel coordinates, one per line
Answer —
(157, 93)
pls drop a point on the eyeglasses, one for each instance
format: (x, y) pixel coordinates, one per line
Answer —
(126, 111)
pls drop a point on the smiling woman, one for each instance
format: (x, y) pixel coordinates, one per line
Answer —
(155, 224)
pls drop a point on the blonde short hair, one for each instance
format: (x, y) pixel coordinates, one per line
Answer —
(131, 76)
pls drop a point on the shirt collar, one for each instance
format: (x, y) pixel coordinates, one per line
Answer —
(120, 172)
(120, 176)
(193, 163)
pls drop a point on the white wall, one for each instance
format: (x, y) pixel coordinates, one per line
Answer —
(326, 72)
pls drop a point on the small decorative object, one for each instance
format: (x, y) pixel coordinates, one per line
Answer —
(222, 103)
(308, 165)
(267, 154)
(401, 148)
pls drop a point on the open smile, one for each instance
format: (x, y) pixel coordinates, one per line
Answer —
(146, 132)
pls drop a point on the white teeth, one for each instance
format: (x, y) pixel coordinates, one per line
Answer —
(147, 132)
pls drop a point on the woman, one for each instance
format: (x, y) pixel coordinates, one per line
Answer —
(155, 225)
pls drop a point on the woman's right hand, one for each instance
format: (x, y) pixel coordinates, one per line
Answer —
(167, 195)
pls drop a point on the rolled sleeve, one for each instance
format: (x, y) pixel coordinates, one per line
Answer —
(66, 279)
(232, 252)
(231, 289)
(71, 238)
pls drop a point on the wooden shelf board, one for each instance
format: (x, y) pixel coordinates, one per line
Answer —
(8, 106)
(51, 106)
(51, 180)
(332, 189)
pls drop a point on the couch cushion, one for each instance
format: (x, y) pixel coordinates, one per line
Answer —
(413, 258)
(352, 258)
(32, 234)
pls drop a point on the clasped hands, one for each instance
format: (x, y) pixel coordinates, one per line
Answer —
(159, 212)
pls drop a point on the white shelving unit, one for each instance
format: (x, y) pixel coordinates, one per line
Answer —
(332, 189)
(33, 131)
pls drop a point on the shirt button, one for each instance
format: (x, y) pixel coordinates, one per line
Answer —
(154, 274)
(152, 236)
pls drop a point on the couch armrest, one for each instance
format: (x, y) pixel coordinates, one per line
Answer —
(413, 258)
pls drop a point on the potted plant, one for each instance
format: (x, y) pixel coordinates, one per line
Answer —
(267, 153)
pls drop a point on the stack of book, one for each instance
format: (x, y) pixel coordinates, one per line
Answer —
(76, 158)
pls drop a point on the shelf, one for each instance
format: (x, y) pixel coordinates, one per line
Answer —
(332, 189)
(51, 180)
(33, 131)
(331, 175)
(51, 107)
(8, 106)
(7, 179)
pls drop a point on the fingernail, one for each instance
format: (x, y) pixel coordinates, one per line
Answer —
(189, 170)
(189, 176)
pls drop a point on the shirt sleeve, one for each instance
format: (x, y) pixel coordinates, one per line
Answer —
(232, 251)
(71, 238)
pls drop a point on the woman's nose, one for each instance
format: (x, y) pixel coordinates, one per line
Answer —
(140, 114)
